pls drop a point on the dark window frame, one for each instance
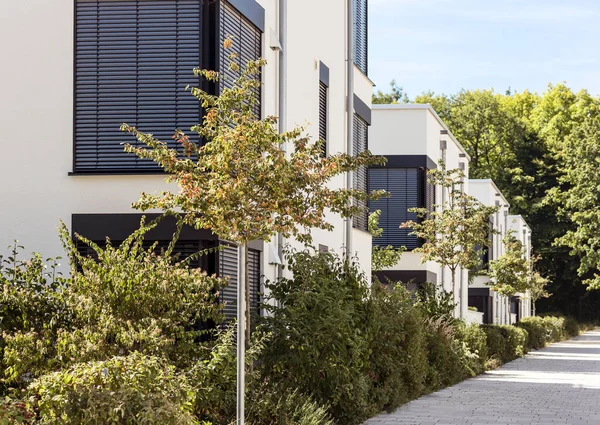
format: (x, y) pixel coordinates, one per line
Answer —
(114, 161)
(360, 180)
(361, 35)
(424, 197)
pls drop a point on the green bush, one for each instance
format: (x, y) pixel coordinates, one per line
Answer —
(398, 362)
(445, 354)
(495, 341)
(505, 342)
(121, 391)
(556, 327)
(474, 340)
(516, 342)
(434, 302)
(571, 327)
(537, 332)
(277, 406)
(318, 344)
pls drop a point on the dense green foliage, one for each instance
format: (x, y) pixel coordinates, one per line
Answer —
(333, 351)
(510, 272)
(505, 342)
(541, 150)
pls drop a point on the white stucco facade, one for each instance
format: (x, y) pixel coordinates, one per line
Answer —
(37, 113)
(522, 232)
(415, 130)
(486, 191)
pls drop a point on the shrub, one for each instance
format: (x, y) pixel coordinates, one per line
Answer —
(15, 412)
(435, 302)
(495, 341)
(537, 332)
(556, 327)
(284, 407)
(505, 342)
(123, 390)
(446, 356)
(571, 327)
(475, 343)
(516, 342)
(318, 343)
(127, 299)
(398, 362)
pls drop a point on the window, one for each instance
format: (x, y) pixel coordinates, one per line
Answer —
(228, 267)
(360, 144)
(323, 116)
(408, 188)
(246, 46)
(133, 61)
(361, 35)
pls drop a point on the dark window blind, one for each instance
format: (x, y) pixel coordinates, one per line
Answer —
(133, 61)
(246, 47)
(361, 35)
(360, 144)
(228, 268)
(323, 116)
(404, 186)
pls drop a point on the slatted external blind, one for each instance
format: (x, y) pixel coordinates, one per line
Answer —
(246, 46)
(361, 35)
(228, 268)
(360, 144)
(429, 192)
(403, 184)
(323, 116)
(133, 61)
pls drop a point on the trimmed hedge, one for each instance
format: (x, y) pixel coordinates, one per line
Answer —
(543, 330)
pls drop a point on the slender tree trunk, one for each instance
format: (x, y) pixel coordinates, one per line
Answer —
(241, 336)
(248, 306)
(247, 292)
(453, 270)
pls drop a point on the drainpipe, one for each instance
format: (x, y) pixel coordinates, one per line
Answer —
(443, 147)
(350, 114)
(282, 104)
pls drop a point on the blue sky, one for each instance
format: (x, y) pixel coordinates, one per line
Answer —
(446, 45)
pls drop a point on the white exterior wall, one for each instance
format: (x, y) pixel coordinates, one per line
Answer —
(36, 117)
(522, 231)
(488, 193)
(415, 129)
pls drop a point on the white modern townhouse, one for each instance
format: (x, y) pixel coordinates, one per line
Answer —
(414, 139)
(76, 69)
(521, 303)
(496, 308)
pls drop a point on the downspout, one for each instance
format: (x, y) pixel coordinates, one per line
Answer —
(282, 108)
(350, 115)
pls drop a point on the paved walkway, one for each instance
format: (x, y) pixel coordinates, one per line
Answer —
(559, 384)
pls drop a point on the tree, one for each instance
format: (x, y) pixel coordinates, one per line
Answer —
(510, 271)
(382, 256)
(537, 288)
(455, 229)
(581, 198)
(396, 95)
(238, 181)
